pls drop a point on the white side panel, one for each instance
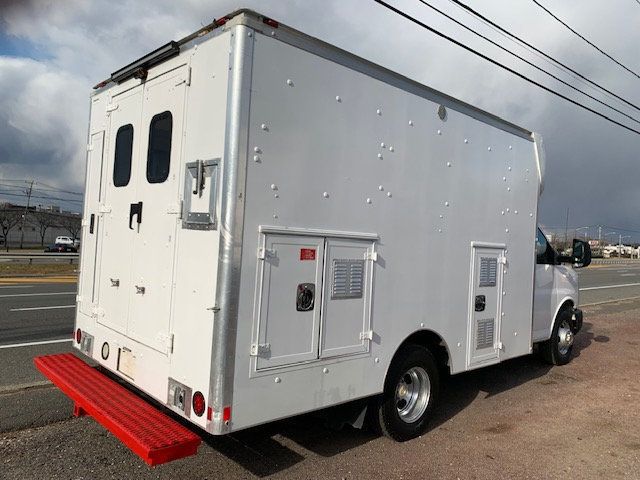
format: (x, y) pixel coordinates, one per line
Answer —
(333, 149)
(91, 223)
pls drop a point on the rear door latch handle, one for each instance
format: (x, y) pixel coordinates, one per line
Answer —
(135, 209)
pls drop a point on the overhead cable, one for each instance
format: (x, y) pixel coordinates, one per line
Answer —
(504, 67)
(527, 61)
(546, 55)
(585, 39)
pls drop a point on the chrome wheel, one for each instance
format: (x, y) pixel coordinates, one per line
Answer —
(565, 338)
(412, 394)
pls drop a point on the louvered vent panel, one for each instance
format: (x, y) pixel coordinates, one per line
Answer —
(348, 278)
(488, 271)
(484, 334)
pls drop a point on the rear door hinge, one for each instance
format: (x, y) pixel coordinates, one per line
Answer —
(260, 349)
(104, 208)
(368, 335)
(502, 260)
(111, 107)
(371, 255)
(170, 343)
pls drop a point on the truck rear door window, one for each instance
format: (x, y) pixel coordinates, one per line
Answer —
(159, 154)
(122, 160)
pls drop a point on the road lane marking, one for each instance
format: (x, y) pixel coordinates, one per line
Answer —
(39, 280)
(29, 344)
(628, 274)
(604, 286)
(36, 294)
(41, 308)
(608, 301)
(16, 286)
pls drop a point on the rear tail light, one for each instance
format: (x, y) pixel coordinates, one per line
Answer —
(198, 403)
(78, 336)
(226, 414)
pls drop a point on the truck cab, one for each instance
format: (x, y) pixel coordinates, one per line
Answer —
(556, 316)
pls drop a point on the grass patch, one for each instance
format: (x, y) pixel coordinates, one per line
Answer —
(8, 269)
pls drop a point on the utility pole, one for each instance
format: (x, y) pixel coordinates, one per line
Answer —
(566, 229)
(599, 235)
(26, 208)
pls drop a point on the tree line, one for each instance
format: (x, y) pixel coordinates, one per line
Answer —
(11, 218)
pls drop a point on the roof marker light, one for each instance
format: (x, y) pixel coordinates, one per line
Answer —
(270, 22)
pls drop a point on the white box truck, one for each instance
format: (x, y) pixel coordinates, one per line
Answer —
(273, 226)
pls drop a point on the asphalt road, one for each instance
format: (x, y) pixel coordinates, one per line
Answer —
(39, 416)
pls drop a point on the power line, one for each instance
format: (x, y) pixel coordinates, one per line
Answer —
(424, 2)
(546, 55)
(11, 194)
(585, 39)
(504, 67)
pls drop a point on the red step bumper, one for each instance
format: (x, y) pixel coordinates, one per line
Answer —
(149, 433)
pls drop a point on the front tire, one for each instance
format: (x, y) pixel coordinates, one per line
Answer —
(558, 349)
(410, 393)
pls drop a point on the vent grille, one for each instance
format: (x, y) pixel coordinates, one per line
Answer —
(348, 278)
(484, 334)
(488, 271)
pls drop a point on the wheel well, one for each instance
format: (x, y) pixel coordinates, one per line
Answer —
(434, 343)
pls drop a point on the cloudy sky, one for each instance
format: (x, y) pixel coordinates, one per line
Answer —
(53, 51)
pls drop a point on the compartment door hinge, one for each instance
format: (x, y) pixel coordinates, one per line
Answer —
(368, 335)
(371, 255)
(264, 253)
(104, 208)
(502, 260)
(260, 349)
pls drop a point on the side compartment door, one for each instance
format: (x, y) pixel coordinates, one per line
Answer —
(91, 223)
(346, 298)
(290, 299)
(485, 305)
(116, 245)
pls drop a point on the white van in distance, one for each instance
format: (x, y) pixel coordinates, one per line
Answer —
(273, 226)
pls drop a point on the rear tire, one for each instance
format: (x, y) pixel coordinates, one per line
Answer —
(410, 393)
(557, 350)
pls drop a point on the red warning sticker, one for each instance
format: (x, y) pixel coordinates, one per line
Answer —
(307, 254)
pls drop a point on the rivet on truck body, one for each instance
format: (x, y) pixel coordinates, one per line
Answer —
(411, 123)
(256, 158)
(325, 194)
(368, 200)
(389, 194)
(277, 380)
(391, 148)
(338, 99)
(379, 112)
(380, 156)
(274, 186)
(264, 126)
(382, 145)
(289, 82)
(325, 370)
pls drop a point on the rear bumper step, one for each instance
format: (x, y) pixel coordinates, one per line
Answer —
(149, 433)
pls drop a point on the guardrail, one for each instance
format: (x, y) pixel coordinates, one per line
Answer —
(38, 257)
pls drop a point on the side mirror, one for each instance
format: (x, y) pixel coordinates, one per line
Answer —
(581, 255)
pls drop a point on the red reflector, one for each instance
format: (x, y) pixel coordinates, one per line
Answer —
(226, 414)
(198, 403)
(270, 22)
(209, 413)
(78, 335)
(221, 21)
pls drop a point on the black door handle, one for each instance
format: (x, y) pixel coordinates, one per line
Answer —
(135, 209)
(305, 294)
(92, 222)
(481, 302)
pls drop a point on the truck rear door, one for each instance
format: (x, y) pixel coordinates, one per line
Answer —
(139, 235)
